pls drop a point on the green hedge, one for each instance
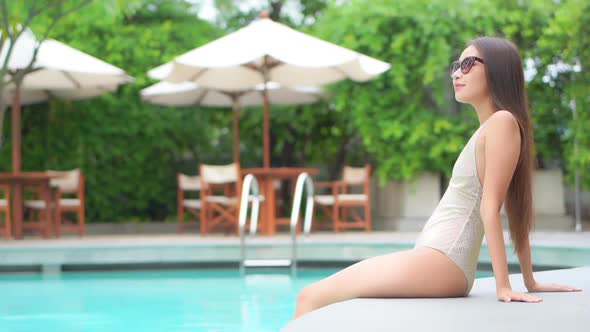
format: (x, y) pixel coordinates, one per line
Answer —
(405, 122)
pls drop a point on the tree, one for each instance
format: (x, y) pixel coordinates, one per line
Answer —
(408, 118)
(563, 81)
(405, 122)
(129, 151)
(234, 14)
(16, 17)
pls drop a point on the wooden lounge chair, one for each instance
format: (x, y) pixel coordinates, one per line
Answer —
(68, 198)
(186, 185)
(221, 186)
(5, 220)
(343, 204)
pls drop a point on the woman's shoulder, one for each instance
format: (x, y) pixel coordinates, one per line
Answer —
(502, 124)
(502, 121)
(503, 115)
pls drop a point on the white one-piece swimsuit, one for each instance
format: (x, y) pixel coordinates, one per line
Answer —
(455, 227)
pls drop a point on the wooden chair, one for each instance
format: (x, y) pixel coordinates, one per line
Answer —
(188, 184)
(70, 183)
(220, 190)
(66, 185)
(6, 221)
(38, 208)
(342, 205)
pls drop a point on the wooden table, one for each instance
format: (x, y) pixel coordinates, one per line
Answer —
(266, 179)
(18, 181)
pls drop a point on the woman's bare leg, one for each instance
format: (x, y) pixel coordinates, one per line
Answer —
(422, 272)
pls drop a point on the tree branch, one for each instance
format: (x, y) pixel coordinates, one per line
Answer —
(50, 27)
(4, 70)
(51, 5)
(62, 15)
(13, 36)
(32, 14)
(276, 6)
(2, 40)
(5, 20)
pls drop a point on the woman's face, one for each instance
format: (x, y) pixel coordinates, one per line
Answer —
(472, 87)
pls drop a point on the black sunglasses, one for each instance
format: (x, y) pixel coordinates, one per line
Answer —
(465, 65)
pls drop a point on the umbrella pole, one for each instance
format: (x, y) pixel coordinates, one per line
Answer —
(16, 129)
(266, 128)
(236, 109)
(3, 108)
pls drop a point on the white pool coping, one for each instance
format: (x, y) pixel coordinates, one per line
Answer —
(551, 249)
(479, 312)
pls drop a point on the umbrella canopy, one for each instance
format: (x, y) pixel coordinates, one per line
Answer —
(191, 94)
(59, 71)
(268, 51)
(59, 66)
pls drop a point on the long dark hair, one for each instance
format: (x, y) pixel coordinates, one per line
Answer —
(505, 76)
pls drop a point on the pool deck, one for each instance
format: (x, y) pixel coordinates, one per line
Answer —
(480, 311)
(550, 249)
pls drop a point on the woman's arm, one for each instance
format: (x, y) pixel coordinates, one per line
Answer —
(495, 241)
(526, 267)
(502, 149)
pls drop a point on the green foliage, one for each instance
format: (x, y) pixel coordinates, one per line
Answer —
(129, 151)
(15, 19)
(566, 40)
(405, 122)
(408, 118)
(234, 14)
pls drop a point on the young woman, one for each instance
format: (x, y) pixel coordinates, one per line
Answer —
(494, 168)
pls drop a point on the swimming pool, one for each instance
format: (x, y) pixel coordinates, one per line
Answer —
(146, 301)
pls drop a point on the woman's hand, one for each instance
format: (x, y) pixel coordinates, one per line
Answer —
(508, 295)
(537, 288)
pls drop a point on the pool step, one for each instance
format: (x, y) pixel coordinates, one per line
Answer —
(267, 263)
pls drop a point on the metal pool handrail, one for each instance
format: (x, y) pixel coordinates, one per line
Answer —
(302, 180)
(250, 192)
(250, 182)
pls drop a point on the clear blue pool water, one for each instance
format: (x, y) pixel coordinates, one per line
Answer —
(150, 301)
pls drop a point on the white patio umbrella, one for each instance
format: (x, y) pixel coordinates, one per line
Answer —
(59, 71)
(191, 94)
(59, 66)
(268, 51)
